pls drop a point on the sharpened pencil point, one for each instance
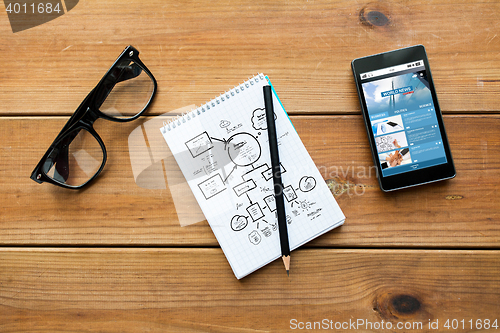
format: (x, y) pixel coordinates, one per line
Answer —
(286, 261)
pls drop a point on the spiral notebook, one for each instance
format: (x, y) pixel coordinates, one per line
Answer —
(222, 150)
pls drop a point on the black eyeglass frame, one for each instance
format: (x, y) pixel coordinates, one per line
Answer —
(88, 112)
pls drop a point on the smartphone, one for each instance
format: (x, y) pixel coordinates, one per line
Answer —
(396, 89)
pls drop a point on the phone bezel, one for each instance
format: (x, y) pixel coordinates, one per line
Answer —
(415, 177)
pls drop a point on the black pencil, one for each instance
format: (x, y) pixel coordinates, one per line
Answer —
(278, 185)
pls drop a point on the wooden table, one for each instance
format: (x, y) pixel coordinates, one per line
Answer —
(113, 258)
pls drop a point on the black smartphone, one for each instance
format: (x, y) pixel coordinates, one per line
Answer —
(396, 88)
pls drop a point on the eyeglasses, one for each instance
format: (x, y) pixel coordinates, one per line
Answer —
(78, 154)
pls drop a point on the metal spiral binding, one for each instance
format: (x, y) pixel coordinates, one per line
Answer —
(184, 117)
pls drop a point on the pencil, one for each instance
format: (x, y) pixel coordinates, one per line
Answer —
(278, 185)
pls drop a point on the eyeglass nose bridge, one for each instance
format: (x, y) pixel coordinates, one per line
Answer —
(89, 117)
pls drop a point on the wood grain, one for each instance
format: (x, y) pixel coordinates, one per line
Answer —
(165, 290)
(462, 212)
(114, 258)
(198, 49)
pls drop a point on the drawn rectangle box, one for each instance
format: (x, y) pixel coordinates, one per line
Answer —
(289, 193)
(212, 186)
(244, 187)
(268, 174)
(270, 202)
(199, 144)
(255, 211)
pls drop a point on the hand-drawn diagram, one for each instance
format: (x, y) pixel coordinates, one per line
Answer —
(235, 163)
(289, 193)
(224, 123)
(270, 202)
(199, 144)
(239, 223)
(267, 232)
(212, 186)
(254, 237)
(244, 149)
(259, 121)
(244, 187)
(307, 184)
(304, 205)
(268, 173)
(255, 211)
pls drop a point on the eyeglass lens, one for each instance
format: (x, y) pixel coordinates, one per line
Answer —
(75, 159)
(129, 89)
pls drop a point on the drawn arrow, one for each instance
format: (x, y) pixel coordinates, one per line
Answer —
(224, 141)
(251, 203)
(234, 168)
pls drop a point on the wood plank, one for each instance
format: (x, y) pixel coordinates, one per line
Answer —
(197, 49)
(462, 212)
(159, 290)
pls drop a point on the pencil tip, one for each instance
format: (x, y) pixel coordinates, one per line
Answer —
(286, 261)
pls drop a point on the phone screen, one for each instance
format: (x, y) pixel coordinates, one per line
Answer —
(403, 118)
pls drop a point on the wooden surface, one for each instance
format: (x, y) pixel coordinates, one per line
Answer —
(113, 258)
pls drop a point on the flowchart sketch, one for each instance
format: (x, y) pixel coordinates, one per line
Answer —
(239, 222)
(267, 231)
(255, 211)
(289, 193)
(259, 121)
(228, 170)
(270, 201)
(307, 183)
(244, 149)
(255, 173)
(212, 186)
(254, 237)
(244, 187)
(199, 144)
(268, 173)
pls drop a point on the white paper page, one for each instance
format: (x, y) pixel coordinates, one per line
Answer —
(222, 149)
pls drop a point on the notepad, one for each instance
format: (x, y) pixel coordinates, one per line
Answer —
(222, 150)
